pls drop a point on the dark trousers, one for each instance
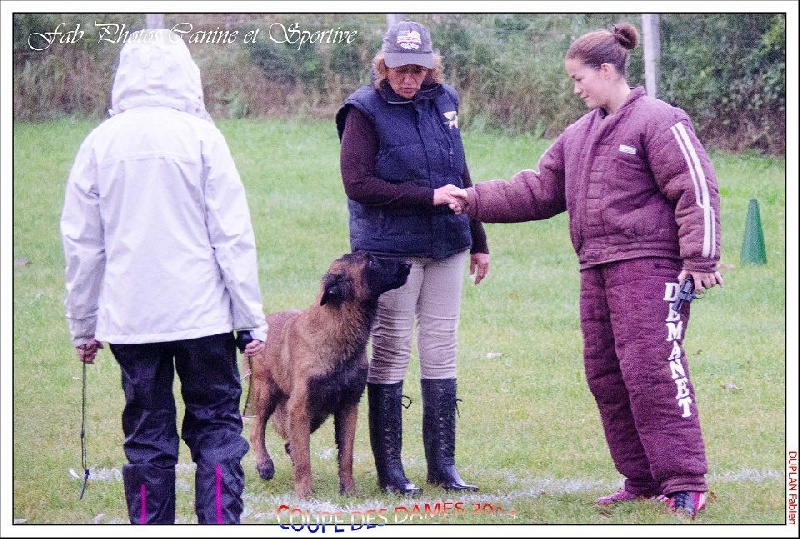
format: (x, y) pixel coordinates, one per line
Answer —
(637, 371)
(212, 427)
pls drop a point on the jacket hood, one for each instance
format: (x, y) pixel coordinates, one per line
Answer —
(156, 69)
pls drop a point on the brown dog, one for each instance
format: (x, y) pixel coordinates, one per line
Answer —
(315, 364)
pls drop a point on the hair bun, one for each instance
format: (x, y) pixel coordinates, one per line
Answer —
(626, 35)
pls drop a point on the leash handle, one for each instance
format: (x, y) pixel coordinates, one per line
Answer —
(83, 485)
(83, 434)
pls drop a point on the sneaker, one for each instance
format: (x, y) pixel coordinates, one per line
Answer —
(622, 495)
(687, 503)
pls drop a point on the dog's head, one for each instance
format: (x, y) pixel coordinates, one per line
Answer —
(362, 276)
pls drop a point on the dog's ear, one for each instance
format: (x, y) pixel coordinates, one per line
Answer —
(336, 289)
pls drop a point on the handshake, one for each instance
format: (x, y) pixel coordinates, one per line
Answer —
(453, 196)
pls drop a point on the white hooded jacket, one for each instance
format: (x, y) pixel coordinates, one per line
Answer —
(156, 228)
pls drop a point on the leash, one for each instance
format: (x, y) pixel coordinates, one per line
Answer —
(83, 434)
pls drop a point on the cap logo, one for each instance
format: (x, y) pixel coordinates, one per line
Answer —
(409, 39)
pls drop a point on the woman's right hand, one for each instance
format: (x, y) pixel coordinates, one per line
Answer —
(451, 195)
(88, 351)
(703, 280)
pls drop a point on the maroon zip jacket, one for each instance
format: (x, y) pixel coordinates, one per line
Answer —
(637, 183)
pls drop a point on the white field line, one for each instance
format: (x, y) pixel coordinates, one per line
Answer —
(260, 507)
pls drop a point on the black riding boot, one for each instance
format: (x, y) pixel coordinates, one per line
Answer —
(150, 493)
(386, 437)
(439, 433)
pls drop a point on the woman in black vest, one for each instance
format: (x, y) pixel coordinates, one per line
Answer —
(400, 147)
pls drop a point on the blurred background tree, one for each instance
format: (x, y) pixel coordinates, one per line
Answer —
(727, 70)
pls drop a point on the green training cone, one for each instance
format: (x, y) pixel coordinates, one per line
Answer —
(753, 251)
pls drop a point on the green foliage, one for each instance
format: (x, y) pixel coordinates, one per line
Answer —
(727, 70)
(732, 85)
(304, 54)
(528, 430)
(288, 62)
(72, 74)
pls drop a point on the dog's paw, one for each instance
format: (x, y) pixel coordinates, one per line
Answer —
(303, 492)
(266, 470)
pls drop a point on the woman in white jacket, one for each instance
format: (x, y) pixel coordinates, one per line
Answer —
(161, 264)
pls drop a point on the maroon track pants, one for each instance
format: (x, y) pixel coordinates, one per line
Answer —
(637, 371)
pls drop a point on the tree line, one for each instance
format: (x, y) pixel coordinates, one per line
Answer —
(727, 70)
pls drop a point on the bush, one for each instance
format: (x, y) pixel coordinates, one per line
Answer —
(733, 86)
(726, 70)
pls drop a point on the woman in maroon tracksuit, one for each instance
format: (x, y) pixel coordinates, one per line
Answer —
(643, 204)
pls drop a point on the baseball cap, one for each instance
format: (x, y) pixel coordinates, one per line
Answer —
(408, 42)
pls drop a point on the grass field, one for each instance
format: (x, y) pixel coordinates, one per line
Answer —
(528, 433)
